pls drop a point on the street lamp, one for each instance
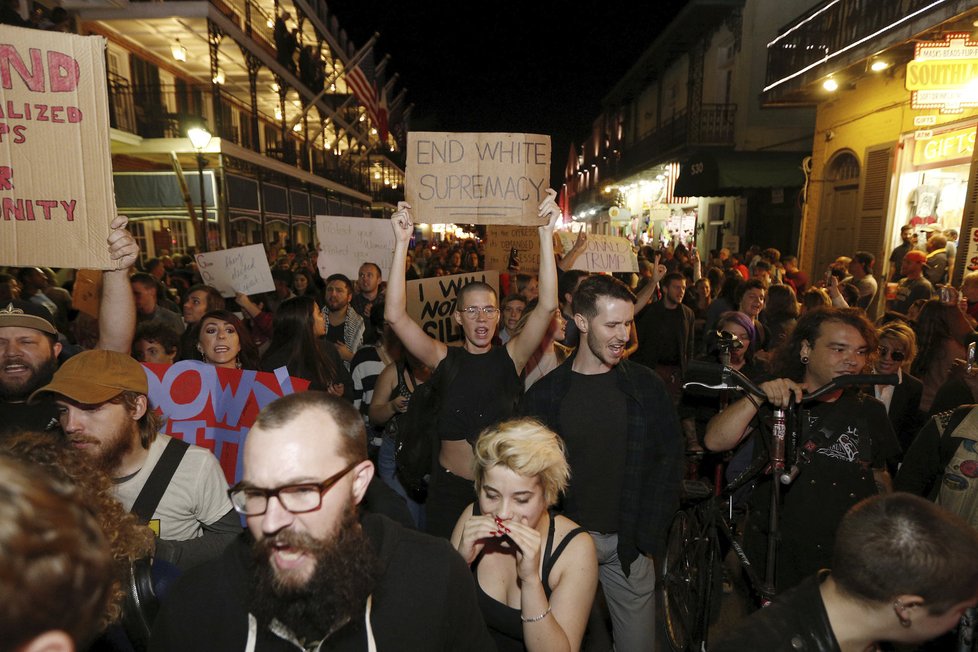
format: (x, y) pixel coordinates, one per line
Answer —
(199, 139)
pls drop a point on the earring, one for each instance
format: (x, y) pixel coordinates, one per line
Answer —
(804, 359)
(897, 607)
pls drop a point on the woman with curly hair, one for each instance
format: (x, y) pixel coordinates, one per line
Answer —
(940, 332)
(223, 341)
(131, 543)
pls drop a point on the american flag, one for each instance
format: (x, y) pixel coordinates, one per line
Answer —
(359, 79)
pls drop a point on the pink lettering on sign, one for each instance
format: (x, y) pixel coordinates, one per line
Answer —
(6, 178)
(29, 210)
(63, 71)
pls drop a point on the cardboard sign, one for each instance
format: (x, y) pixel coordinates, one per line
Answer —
(213, 407)
(345, 243)
(500, 240)
(241, 269)
(56, 197)
(431, 303)
(604, 253)
(86, 293)
(491, 178)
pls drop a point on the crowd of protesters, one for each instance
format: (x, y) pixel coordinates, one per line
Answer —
(561, 430)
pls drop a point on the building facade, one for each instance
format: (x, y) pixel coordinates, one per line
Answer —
(303, 122)
(895, 88)
(683, 151)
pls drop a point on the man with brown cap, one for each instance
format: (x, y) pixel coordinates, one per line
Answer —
(29, 346)
(179, 489)
(914, 285)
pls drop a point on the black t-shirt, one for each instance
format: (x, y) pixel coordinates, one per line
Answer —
(660, 337)
(21, 417)
(484, 391)
(848, 439)
(595, 430)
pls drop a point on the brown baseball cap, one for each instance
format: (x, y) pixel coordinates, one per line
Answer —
(27, 314)
(97, 376)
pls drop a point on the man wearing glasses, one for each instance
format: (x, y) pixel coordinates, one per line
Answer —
(310, 573)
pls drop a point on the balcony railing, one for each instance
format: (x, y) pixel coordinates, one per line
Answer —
(714, 127)
(830, 27)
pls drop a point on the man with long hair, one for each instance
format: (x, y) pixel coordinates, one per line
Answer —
(844, 442)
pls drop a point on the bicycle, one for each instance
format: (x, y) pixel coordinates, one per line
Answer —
(690, 568)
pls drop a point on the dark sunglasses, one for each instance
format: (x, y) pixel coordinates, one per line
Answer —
(896, 356)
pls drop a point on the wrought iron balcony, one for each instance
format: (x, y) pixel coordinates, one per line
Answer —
(714, 126)
(834, 27)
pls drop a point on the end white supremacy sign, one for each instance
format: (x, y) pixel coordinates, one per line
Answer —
(487, 178)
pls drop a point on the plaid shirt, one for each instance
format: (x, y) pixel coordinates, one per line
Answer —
(654, 461)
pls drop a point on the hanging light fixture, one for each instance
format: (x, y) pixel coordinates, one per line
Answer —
(219, 77)
(178, 51)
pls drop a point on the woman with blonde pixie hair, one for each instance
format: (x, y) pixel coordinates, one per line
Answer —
(536, 572)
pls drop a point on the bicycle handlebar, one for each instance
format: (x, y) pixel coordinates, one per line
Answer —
(733, 379)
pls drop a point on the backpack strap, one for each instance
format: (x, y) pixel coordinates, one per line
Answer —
(159, 479)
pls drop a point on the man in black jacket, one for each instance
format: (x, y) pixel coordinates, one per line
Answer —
(903, 571)
(624, 449)
(310, 574)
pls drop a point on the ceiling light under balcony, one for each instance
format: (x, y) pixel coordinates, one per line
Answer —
(178, 51)
(278, 113)
(219, 77)
(879, 65)
(373, 132)
(376, 175)
(830, 84)
(298, 127)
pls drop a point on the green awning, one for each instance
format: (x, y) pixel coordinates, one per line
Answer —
(724, 173)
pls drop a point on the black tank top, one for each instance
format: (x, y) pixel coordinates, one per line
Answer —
(504, 621)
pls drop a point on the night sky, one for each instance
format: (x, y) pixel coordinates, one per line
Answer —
(535, 67)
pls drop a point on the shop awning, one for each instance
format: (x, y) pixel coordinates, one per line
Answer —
(723, 173)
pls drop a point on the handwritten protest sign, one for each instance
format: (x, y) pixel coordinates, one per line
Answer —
(431, 302)
(345, 243)
(491, 178)
(56, 198)
(604, 253)
(502, 239)
(213, 407)
(86, 293)
(241, 269)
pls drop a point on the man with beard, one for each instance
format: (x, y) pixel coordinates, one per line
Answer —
(29, 345)
(624, 450)
(105, 414)
(344, 327)
(308, 572)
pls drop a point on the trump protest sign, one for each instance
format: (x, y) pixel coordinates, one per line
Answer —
(241, 269)
(431, 303)
(345, 243)
(604, 253)
(213, 407)
(490, 178)
(56, 198)
(502, 239)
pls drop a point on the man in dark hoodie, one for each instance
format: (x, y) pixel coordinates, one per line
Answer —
(310, 573)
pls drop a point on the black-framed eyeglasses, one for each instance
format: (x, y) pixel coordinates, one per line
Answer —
(895, 354)
(473, 311)
(296, 498)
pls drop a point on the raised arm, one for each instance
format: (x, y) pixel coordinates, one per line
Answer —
(117, 312)
(522, 346)
(645, 294)
(580, 244)
(426, 349)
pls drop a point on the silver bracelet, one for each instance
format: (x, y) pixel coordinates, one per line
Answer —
(535, 618)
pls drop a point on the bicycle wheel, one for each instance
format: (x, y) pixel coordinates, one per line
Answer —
(683, 577)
